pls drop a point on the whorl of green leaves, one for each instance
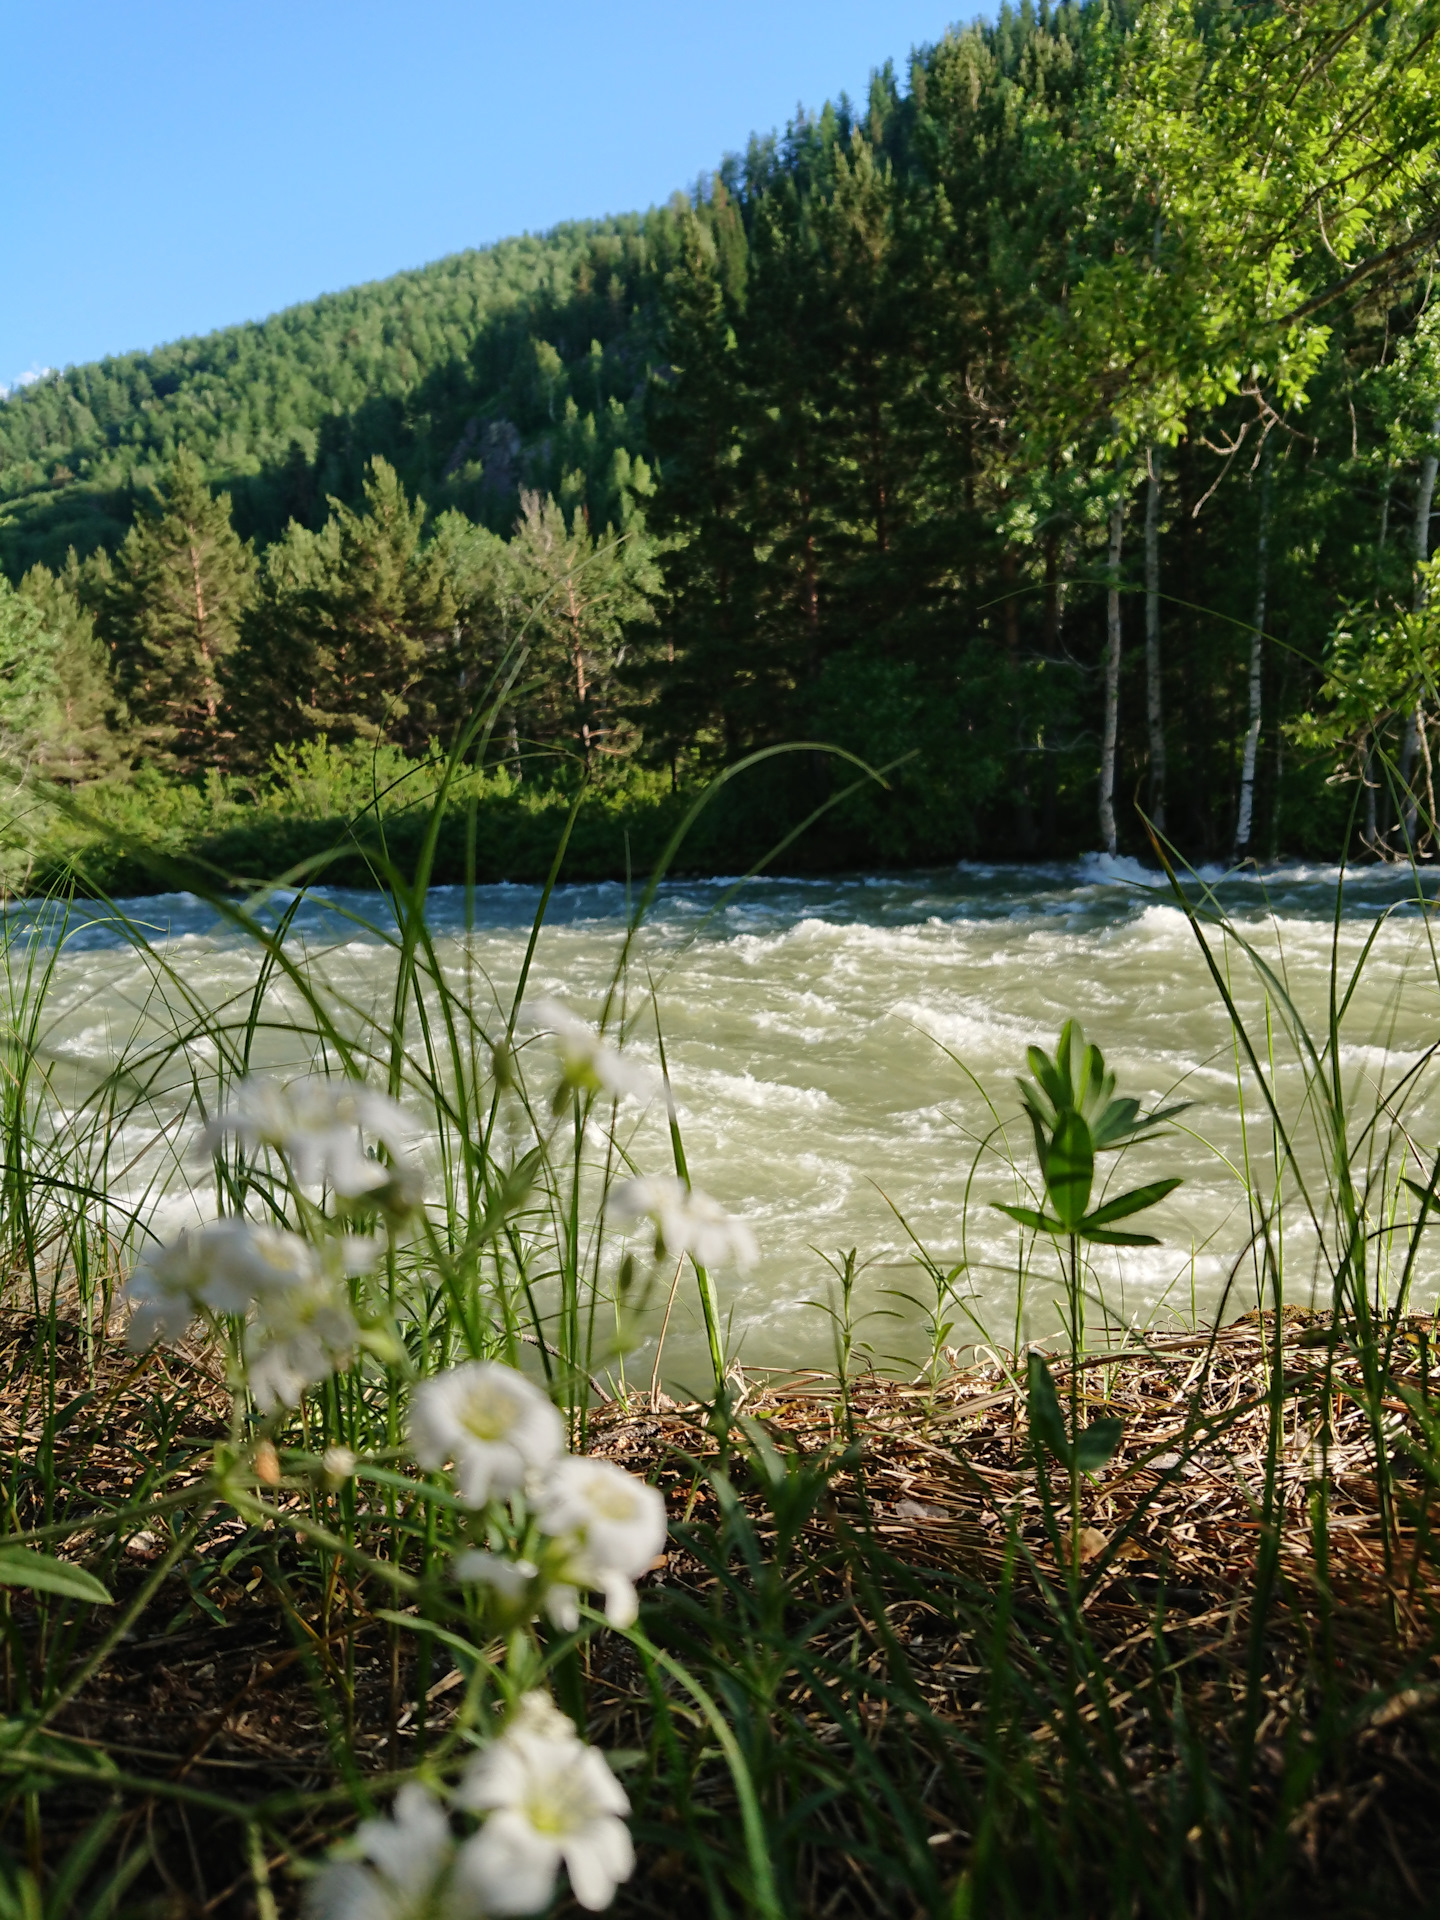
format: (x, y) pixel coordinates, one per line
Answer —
(1074, 1114)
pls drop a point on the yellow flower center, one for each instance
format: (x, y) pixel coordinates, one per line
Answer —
(612, 1501)
(487, 1416)
(546, 1817)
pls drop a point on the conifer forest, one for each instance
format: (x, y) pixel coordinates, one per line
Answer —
(1056, 428)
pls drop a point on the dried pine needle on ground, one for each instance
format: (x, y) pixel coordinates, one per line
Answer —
(1236, 1688)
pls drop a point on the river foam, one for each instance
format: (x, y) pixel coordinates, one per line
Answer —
(844, 1050)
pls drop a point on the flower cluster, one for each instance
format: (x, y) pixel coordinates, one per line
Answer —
(291, 1290)
(595, 1527)
(685, 1221)
(301, 1324)
(546, 1800)
(319, 1126)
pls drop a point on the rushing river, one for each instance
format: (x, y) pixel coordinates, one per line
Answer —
(822, 1035)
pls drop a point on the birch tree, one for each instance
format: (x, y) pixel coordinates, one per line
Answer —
(1414, 744)
(1154, 698)
(1206, 269)
(1245, 808)
(1110, 729)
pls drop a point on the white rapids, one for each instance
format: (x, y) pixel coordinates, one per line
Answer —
(833, 1044)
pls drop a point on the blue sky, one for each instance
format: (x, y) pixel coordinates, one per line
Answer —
(172, 167)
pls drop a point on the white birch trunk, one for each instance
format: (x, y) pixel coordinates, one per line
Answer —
(1420, 552)
(1245, 813)
(1424, 506)
(1372, 825)
(1154, 708)
(1111, 731)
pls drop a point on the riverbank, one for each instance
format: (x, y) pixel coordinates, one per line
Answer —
(337, 818)
(1238, 1686)
(358, 815)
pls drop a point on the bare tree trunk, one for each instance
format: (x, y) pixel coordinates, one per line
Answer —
(1050, 647)
(1245, 813)
(1154, 709)
(1371, 835)
(1420, 552)
(1111, 731)
(1024, 817)
(577, 660)
(1424, 504)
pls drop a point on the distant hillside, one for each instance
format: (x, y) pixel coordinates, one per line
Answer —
(1023, 429)
(521, 362)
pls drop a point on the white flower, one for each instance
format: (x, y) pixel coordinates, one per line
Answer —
(509, 1579)
(337, 1464)
(588, 1063)
(409, 1876)
(549, 1799)
(160, 1294)
(319, 1124)
(611, 1527)
(685, 1221)
(493, 1423)
(537, 1717)
(223, 1266)
(301, 1333)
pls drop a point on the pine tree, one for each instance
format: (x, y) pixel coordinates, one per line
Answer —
(27, 676)
(86, 736)
(575, 604)
(172, 615)
(698, 418)
(271, 677)
(487, 616)
(367, 624)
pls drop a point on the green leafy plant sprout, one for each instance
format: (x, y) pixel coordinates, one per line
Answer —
(1074, 1114)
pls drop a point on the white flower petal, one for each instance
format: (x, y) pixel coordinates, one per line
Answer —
(617, 1523)
(548, 1796)
(345, 1890)
(413, 1844)
(588, 1062)
(597, 1859)
(686, 1221)
(410, 1856)
(318, 1124)
(225, 1266)
(562, 1606)
(510, 1578)
(538, 1718)
(491, 1422)
(622, 1603)
(508, 1866)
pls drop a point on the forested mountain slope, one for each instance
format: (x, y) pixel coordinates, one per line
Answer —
(458, 373)
(1030, 430)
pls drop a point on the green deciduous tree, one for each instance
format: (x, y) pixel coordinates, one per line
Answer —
(27, 674)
